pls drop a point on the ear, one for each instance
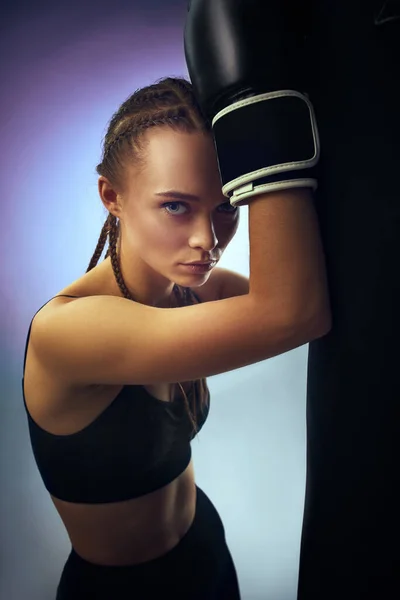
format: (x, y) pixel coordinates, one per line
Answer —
(109, 196)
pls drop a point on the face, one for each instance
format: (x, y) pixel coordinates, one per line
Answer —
(160, 232)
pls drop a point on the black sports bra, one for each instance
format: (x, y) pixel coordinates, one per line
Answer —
(137, 445)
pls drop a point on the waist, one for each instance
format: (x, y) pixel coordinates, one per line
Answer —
(132, 531)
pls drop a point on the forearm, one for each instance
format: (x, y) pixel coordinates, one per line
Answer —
(287, 264)
(267, 143)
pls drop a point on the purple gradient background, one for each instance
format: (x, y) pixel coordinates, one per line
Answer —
(65, 68)
(68, 69)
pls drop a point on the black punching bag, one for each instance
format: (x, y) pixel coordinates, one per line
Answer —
(350, 547)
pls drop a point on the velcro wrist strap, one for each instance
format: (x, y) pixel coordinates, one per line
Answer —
(265, 143)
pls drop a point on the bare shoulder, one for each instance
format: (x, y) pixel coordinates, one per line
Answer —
(223, 283)
(109, 340)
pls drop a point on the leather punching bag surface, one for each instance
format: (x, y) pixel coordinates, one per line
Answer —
(350, 548)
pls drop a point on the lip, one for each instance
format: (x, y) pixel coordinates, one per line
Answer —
(201, 264)
(199, 268)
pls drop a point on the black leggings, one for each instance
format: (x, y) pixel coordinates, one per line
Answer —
(200, 567)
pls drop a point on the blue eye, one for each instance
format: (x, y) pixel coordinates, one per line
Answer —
(172, 204)
(227, 205)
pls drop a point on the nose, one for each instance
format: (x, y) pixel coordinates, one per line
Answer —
(204, 235)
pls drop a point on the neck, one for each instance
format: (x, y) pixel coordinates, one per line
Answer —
(140, 291)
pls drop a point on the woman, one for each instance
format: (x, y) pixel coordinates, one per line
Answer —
(110, 428)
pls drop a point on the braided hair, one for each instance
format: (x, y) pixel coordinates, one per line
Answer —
(169, 101)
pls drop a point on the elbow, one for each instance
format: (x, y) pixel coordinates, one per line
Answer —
(314, 323)
(317, 325)
(322, 325)
(314, 313)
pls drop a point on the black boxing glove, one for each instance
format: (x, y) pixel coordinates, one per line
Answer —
(249, 71)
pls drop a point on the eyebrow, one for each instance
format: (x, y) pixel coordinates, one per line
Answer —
(178, 195)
